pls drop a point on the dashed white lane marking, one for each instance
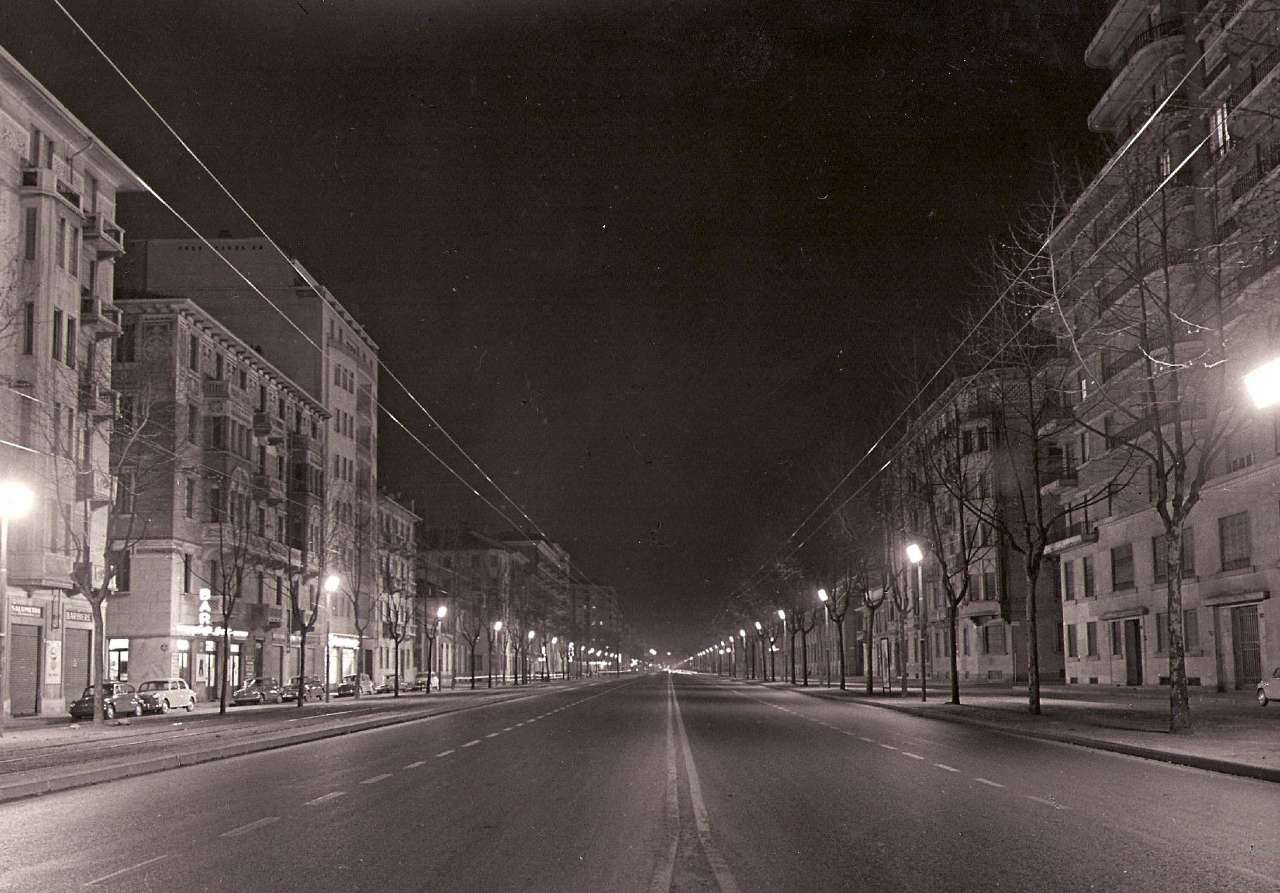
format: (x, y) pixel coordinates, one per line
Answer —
(866, 739)
(252, 826)
(415, 765)
(332, 795)
(508, 729)
(1052, 803)
(445, 753)
(472, 743)
(888, 747)
(946, 768)
(335, 713)
(914, 756)
(377, 778)
(493, 735)
(115, 874)
(987, 781)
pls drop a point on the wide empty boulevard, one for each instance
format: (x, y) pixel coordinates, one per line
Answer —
(659, 782)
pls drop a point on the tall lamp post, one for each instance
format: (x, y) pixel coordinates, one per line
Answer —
(331, 584)
(764, 671)
(773, 667)
(441, 612)
(916, 556)
(742, 634)
(16, 500)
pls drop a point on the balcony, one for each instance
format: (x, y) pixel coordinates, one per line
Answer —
(364, 439)
(217, 388)
(103, 236)
(42, 181)
(1132, 67)
(268, 488)
(98, 400)
(1064, 536)
(99, 317)
(1266, 159)
(268, 426)
(39, 569)
(1059, 477)
(94, 486)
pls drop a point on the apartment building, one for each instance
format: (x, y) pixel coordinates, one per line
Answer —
(397, 571)
(219, 503)
(1167, 270)
(957, 480)
(59, 243)
(307, 332)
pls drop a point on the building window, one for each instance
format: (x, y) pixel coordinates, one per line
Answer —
(60, 246)
(124, 571)
(993, 638)
(126, 344)
(1158, 568)
(193, 353)
(1068, 581)
(70, 354)
(215, 504)
(29, 328)
(1219, 133)
(1117, 640)
(1234, 541)
(1122, 567)
(1086, 568)
(118, 659)
(57, 335)
(33, 222)
(75, 251)
(1091, 638)
(1190, 631)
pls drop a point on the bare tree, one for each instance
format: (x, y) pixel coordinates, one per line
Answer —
(399, 602)
(232, 551)
(358, 586)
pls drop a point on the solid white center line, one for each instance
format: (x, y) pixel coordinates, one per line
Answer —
(472, 743)
(1052, 803)
(987, 781)
(332, 795)
(945, 767)
(888, 747)
(914, 756)
(445, 753)
(245, 829)
(493, 735)
(415, 765)
(377, 778)
(107, 877)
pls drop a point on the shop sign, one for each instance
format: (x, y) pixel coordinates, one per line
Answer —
(340, 641)
(204, 610)
(77, 616)
(26, 610)
(186, 629)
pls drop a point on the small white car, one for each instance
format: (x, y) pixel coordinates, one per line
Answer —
(163, 695)
(1269, 689)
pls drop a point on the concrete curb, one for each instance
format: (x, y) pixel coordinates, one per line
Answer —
(34, 787)
(1194, 761)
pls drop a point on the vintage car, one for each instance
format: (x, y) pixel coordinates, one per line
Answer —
(118, 699)
(163, 695)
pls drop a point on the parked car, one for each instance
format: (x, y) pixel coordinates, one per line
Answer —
(1269, 689)
(313, 689)
(347, 688)
(259, 690)
(388, 684)
(163, 695)
(118, 699)
(424, 682)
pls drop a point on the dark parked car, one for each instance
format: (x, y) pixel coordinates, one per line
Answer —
(259, 690)
(388, 684)
(348, 686)
(118, 699)
(1269, 689)
(313, 690)
(163, 695)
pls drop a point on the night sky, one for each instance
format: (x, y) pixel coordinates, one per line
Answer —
(647, 261)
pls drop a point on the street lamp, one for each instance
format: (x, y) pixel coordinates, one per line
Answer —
(491, 635)
(916, 556)
(441, 612)
(16, 500)
(1263, 385)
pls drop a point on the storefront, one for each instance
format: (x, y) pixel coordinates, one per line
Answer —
(342, 657)
(26, 638)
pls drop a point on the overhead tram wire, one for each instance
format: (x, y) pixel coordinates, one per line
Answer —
(1106, 169)
(227, 192)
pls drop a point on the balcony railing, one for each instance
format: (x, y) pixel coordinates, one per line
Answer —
(217, 388)
(1266, 159)
(268, 426)
(103, 236)
(1144, 39)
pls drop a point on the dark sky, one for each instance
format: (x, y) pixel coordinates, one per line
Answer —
(645, 260)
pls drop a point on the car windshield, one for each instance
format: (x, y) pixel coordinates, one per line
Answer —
(107, 689)
(153, 686)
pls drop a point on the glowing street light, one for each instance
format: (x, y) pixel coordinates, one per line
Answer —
(1263, 385)
(916, 556)
(331, 583)
(822, 596)
(441, 612)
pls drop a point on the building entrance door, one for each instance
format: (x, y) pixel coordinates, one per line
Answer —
(77, 652)
(1245, 645)
(24, 670)
(1133, 652)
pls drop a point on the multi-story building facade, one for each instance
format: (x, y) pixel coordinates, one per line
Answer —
(1166, 297)
(58, 245)
(959, 476)
(219, 503)
(476, 577)
(398, 576)
(321, 347)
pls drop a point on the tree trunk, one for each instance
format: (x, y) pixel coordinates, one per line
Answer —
(840, 640)
(431, 647)
(1179, 696)
(1033, 640)
(951, 641)
(871, 644)
(793, 656)
(804, 647)
(359, 660)
(99, 674)
(473, 666)
(302, 668)
(395, 692)
(226, 665)
(902, 652)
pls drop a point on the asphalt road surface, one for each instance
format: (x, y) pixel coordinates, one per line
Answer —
(656, 783)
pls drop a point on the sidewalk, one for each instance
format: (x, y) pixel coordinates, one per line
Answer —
(41, 755)
(1232, 734)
